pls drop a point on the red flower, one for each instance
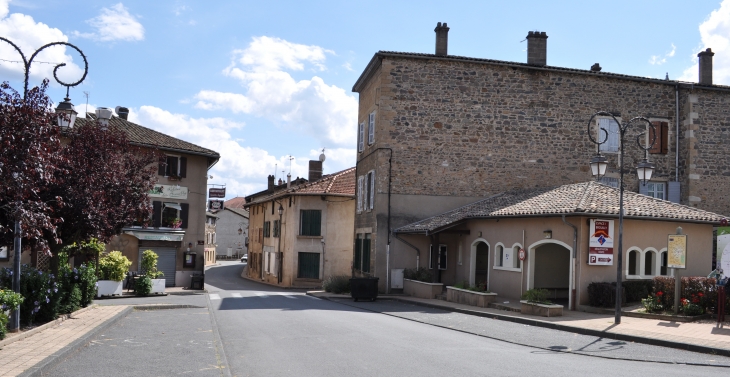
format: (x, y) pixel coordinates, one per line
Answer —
(701, 294)
(660, 293)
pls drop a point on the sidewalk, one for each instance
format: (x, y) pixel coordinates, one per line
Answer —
(30, 355)
(701, 336)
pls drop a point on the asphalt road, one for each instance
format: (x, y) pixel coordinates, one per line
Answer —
(267, 331)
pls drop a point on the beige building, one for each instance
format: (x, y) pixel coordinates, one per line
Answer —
(300, 234)
(481, 242)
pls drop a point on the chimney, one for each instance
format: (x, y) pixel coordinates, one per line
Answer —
(122, 112)
(103, 114)
(288, 180)
(706, 66)
(271, 183)
(537, 48)
(279, 182)
(315, 170)
(442, 39)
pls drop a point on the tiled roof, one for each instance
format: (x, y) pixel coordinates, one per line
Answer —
(144, 136)
(341, 183)
(238, 211)
(587, 198)
(236, 202)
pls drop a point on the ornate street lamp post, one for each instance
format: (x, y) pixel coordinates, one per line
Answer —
(599, 163)
(66, 118)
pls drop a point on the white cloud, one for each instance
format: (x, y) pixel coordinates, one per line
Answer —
(715, 34)
(659, 59)
(323, 111)
(114, 24)
(29, 35)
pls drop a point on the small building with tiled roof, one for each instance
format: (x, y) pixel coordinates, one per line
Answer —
(557, 229)
(300, 232)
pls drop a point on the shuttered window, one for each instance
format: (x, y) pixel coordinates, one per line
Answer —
(371, 128)
(359, 193)
(357, 259)
(366, 253)
(371, 191)
(310, 222)
(308, 266)
(361, 137)
(439, 259)
(277, 228)
(267, 229)
(612, 139)
(660, 134)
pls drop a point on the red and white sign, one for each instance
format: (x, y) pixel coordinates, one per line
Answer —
(522, 255)
(600, 244)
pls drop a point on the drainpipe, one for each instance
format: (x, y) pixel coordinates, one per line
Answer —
(676, 134)
(418, 252)
(387, 247)
(575, 247)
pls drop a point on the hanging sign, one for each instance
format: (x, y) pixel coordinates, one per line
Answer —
(215, 205)
(217, 192)
(677, 251)
(600, 244)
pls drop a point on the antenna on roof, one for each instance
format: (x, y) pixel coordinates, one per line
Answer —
(290, 158)
(87, 102)
(276, 166)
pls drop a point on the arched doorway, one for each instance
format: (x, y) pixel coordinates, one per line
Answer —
(481, 265)
(550, 269)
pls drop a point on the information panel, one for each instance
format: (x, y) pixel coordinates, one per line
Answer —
(600, 245)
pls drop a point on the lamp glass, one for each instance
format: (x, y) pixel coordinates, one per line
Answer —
(66, 113)
(281, 209)
(599, 163)
(644, 170)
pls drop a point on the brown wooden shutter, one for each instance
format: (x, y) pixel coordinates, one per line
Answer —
(161, 167)
(665, 137)
(184, 214)
(183, 166)
(655, 133)
(156, 213)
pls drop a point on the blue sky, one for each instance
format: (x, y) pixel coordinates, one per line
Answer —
(259, 81)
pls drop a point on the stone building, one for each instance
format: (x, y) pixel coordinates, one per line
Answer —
(437, 131)
(232, 230)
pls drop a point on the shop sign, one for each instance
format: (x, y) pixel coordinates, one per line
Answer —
(217, 192)
(600, 244)
(169, 191)
(215, 205)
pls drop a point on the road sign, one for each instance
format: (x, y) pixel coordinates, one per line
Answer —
(522, 254)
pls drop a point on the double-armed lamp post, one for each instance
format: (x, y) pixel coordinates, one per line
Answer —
(66, 118)
(644, 170)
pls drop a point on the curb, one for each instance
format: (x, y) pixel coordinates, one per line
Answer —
(166, 306)
(195, 292)
(45, 366)
(577, 330)
(44, 326)
(220, 352)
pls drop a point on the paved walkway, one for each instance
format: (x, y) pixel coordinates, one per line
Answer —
(35, 350)
(701, 336)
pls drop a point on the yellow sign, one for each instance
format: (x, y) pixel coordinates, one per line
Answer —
(677, 251)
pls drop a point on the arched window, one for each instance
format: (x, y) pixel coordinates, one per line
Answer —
(516, 257)
(633, 262)
(499, 256)
(649, 263)
(663, 269)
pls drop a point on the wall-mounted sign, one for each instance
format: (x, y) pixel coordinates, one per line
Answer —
(217, 192)
(169, 191)
(157, 236)
(723, 249)
(677, 251)
(600, 244)
(201, 242)
(522, 254)
(215, 205)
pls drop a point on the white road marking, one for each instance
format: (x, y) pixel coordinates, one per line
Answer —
(236, 294)
(261, 294)
(316, 298)
(288, 296)
(214, 296)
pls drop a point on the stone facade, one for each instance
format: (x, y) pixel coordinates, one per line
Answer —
(452, 130)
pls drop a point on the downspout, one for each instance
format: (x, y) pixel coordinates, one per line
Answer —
(418, 252)
(575, 246)
(676, 134)
(387, 247)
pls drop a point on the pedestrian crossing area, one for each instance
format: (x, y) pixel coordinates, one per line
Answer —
(222, 295)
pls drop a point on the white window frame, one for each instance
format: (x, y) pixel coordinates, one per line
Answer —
(172, 205)
(653, 193)
(359, 193)
(361, 137)
(613, 143)
(498, 255)
(641, 266)
(178, 164)
(371, 128)
(508, 258)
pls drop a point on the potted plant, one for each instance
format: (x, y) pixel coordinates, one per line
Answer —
(176, 223)
(417, 283)
(112, 269)
(150, 271)
(474, 295)
(535, 302)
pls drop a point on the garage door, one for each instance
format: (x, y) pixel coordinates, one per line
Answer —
(165, 262)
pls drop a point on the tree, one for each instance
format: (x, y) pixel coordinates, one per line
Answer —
(30, 164)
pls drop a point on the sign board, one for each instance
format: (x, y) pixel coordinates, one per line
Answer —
(522, 255)
(677, 251)
(215, 205)
(723, 249)
(201, 242)
(217, 192)
(169, 191)
(600, 243)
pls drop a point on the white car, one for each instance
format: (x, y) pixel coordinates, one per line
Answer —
(244, 258)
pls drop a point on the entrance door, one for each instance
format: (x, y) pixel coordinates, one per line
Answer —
(308, 266)
(481, 266)
(552, 272)
(165, 262)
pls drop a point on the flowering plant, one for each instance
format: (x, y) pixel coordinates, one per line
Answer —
(692, 305)
(653, 303)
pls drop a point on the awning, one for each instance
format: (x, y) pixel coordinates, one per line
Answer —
(173, 205)
(156, 236)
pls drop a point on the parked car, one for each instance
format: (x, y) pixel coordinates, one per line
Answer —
(244, 258)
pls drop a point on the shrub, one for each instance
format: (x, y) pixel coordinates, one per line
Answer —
(652, 304)
(113, 266)
(480, 287)
(9, 301)
(149, 265)
(603, 295)
(419, 274)
(143, 285)
(664, 287)
(636, 290)
(40, 293)
(87, 284)
(337, 284)
(536, 296)
(691, 306)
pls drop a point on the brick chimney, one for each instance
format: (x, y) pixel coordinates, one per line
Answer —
(442, 39)
(537, 48)
(271, 183)
(706, 66)
(315, 170)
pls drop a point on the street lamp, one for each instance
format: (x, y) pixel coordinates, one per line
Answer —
(66, 118)
(599, 163)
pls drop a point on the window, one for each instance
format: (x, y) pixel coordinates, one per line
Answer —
(267, 229)
(439, 259)
(361, 259)
(499, 260)
(612, 143)
(4, 253)
(660, 134)
(609, 181)
(663, 266)
(361, 137)
(633, 262)
(515, 257)
(360, 195)
(649, 263)
(310, 222)
(357, 259)
(277, 228)
(371, 128)
(656, 190)
(173, 166)
(171, 215)
(371, 190)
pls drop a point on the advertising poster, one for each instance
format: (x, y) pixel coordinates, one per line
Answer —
(600, 244)
(677, 251)
(723, 249)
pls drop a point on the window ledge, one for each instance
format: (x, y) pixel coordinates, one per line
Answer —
(512, 269)
(311, 237)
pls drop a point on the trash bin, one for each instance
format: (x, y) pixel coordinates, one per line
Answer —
(364, 288)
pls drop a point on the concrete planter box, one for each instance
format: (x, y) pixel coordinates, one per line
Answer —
(543, 310)
(108, 288)
(420, 289)
(467, 297)
(158, 286)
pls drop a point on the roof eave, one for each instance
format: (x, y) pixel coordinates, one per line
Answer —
(372, 66)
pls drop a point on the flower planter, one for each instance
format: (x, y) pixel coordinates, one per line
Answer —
(108, 288)
(158, 286)
(467, 297)
(421, 289)
(544, 310)
(364, 288)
